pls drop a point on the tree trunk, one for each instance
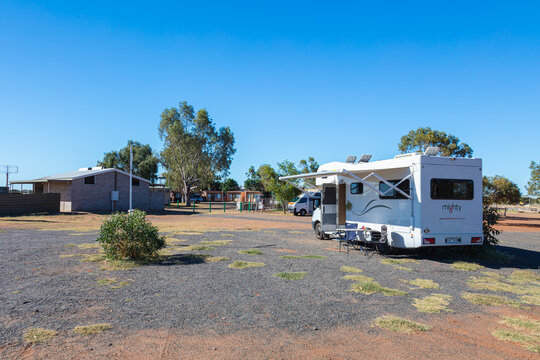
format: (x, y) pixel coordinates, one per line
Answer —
(187, 193)
(284, 205)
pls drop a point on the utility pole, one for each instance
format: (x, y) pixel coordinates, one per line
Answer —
(130, 178)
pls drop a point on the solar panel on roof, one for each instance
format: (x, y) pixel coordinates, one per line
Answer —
(351, 159)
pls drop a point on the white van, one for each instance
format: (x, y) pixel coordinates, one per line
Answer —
(305, 204)
(410, 201)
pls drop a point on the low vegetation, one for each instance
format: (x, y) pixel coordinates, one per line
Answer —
(423, 283)
(291, 275)
(217, 242)
(491, 300)
(195, 247)
(350, 269)
(130, 236)
(212, 259)
(466, 266)
(370, 286)
(434, 303)
(530, 341)
(397, 324)
(398, 263)
(91, 329)
(251, 252)
(239, 264)
(39, 335)
(295, 257)
(112, 283)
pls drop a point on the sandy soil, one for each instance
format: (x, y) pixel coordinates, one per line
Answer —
(520, 222)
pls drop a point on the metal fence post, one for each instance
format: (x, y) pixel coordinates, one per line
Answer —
(210, 206)
(240, 206)
(194, 207)
(223, 205)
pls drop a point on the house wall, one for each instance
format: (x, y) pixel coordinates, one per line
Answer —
(97, 196)
(62, 188)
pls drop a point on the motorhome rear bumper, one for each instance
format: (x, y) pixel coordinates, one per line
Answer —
(452, 239)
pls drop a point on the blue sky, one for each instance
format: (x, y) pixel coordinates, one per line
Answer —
(291, 79)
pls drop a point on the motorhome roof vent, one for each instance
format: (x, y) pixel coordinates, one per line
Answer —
(364, 158)
(350, 159)
(431, 151)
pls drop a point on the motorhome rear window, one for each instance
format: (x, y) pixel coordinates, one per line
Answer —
(391, 193)
(452, 189)
(357, 188)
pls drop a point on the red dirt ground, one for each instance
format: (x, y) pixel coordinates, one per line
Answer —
(452, 337)
(520, 222)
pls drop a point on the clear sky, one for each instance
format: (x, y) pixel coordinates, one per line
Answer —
(291, 79)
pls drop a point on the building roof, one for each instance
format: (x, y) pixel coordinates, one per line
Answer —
(78, 174)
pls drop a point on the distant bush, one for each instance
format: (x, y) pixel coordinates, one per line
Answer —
(125, 236)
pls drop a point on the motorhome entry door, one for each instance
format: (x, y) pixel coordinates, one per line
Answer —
(329, 208)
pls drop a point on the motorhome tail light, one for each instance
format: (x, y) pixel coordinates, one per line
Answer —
(476, 239)
(429, 240)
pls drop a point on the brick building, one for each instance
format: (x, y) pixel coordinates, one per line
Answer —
(100, 190)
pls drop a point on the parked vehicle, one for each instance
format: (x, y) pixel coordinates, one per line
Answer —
(305, 204)
(195, 198)
(410, 201)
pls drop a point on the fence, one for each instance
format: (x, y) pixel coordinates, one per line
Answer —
(18, 204)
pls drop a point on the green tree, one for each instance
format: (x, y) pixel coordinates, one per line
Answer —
(145, 164)
(533, 185)
(281, 191)
(253, 181)
(308, 166)
(419, 140)
(194, 152)
(499, 190)
(229, 185)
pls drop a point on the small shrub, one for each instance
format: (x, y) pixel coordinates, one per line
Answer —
(490, 218)
(125, 236)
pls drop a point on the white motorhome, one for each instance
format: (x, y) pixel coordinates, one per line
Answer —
(410, 201)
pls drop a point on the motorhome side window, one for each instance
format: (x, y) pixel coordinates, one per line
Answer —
(391, 193)
(302, 200)
(357, 188)
(451, 189)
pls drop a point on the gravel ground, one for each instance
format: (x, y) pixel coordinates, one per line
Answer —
(41, 289)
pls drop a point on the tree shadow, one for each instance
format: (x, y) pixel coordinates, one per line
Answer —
(181, 259)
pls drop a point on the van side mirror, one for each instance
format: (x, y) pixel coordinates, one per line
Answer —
(316, 203)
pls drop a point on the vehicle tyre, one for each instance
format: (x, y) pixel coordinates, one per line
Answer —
(318, 231)
(303, 212)
(295, 213)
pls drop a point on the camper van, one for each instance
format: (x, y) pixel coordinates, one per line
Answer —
(305, 204)
(411, 201)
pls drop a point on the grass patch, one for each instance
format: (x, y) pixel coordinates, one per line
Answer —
(397, 324)
(212, 259)
(239, 264)
(398, 263)
(494, 284)
(119, 285)
(466, 266)
(39, 335)
(524, 277)
(16, 291)
(357, 277)
(530, 342)
(91, 329)
(172, 241)
(251, 252)
(119, 265)
(423, 283)
(106, 282)
(291, 275)
(523, 323)
(217, 242)
(93, 257)
(196, 247)
(87, 246)
(317, 257)
(531, 300)
(490, 300)
(371, 286)
(433, 303)
(350, 269)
